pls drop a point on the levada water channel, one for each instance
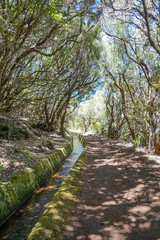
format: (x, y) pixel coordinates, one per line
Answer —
(19, 226)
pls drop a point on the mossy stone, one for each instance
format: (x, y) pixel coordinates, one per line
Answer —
(16, 191)
(51, 224)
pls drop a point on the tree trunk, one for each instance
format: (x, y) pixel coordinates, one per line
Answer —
(62, 123)
(157, 145)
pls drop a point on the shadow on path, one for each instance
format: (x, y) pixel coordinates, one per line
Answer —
(120, 198)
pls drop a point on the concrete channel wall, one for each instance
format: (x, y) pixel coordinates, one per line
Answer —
(52, 223)
(22, 186)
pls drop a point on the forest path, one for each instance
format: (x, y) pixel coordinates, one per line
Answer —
(120, 197)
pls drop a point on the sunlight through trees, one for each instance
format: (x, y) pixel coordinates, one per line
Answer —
(54, 55)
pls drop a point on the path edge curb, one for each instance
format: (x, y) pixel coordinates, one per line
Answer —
(52, 223)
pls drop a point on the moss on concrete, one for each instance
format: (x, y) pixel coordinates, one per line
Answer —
(52, 223)
(81, 138)
(16, 191)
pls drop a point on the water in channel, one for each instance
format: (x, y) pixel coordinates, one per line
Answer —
(19, 226)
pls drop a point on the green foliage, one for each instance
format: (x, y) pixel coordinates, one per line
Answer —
(1, 168)
(52, 58)
(49, 58)
(56, 13)
(132, 67)
(87, 118)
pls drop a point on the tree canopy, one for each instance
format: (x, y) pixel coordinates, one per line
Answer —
(49, 53)
(55, 54)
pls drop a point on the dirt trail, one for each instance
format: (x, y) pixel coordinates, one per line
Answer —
(120, 198)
